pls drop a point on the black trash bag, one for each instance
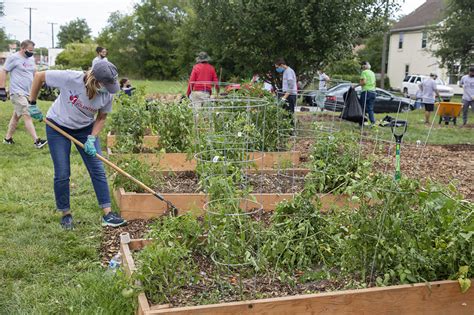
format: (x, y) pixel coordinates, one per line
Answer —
(352, 110)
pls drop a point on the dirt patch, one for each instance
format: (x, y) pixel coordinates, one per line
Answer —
(441, 163)
(110, 244)
(188, 182)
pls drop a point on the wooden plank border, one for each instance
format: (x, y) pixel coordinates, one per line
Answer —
(146, 206)
(439, 297)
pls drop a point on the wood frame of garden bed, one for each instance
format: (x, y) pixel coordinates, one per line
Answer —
(181, 161)
(439, 297)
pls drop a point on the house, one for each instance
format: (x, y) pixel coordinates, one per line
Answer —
(410, 49)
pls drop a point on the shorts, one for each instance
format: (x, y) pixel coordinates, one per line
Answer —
(20, 104)
(429, 107)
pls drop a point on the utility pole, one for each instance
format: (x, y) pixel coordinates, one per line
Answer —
(384, 48)
(30, 8)
(52, 33)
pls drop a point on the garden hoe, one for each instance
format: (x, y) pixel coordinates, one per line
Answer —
(399, 127)
(171, 208)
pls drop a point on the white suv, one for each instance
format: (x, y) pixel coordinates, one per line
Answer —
(411, 82)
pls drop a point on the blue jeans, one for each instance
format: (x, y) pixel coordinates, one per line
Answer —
(367, 100)
(60, 150)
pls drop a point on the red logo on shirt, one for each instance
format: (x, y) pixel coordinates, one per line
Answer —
(75, 101)
(73, 98)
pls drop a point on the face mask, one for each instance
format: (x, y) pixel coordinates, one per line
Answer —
(280, 70)
(128, 85)
(28, 53)
(102, 90)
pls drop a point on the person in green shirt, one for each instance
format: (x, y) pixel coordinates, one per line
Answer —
(367, 97)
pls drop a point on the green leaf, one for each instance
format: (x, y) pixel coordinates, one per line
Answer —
(464, 284)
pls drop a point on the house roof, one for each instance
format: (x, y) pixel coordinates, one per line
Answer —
(428, 13)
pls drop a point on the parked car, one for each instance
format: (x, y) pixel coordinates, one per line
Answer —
(411, 82)
(385, 102)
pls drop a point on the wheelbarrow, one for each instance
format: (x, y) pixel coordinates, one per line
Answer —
(448, 111)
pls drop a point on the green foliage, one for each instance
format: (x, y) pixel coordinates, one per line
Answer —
(137, 169)
(76, 31)
(372, 52)
(77, 55)
(336, 164)
(130, 121)
(164, 270)
(454, 36)
(174, 124)
(4, 40)
(48, 93)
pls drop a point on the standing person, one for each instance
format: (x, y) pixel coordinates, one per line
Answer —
(206, 74)
(367, 97)
(101, 54)
(21, 66)
(81, 109)
(323, 80)
(289, 88)
(467, 82)
(428, 89)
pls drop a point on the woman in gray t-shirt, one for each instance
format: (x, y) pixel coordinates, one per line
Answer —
(81, 109)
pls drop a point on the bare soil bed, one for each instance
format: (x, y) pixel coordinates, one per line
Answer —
(188, 182)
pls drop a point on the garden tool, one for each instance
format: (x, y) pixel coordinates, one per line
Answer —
(399, 127)
(171, 208)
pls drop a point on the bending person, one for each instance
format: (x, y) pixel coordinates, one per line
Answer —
(81, 109)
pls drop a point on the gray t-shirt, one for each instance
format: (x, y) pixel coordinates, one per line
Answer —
(428, 91)
(72, 108)
(98, 59)
(22, 70)
(289, 81)
(468, 85)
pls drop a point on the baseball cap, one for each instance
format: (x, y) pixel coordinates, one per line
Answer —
(471, 69)
(106, 73)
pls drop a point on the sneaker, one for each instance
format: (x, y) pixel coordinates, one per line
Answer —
(113, 219)
(8, 141)
(66, 222)
(40, 143)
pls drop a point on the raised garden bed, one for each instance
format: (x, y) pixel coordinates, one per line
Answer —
(182, 189)
(149, 141)
(182, 162)
(439, 297)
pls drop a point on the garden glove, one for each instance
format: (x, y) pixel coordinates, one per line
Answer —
(282, 101)
(89, 146)
(3, 94)
(34, 111)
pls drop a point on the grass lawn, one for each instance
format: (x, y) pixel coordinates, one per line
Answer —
(173, 87)
(43, 269)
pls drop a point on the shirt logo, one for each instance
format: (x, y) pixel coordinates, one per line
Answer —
(76, 102)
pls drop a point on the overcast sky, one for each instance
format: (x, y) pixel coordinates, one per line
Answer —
(96, 12)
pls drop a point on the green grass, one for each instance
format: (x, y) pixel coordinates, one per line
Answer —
(174, 87)
(43, 269)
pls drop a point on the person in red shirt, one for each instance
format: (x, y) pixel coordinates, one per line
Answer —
(202, 78)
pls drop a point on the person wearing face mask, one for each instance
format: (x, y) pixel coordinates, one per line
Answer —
(21, 66)
(126, 86)
(80, 109)
(289, 88)
(101, 55)
(467, 82)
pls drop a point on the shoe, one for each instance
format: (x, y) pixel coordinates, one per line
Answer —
(113, 219)
(8, 141)
(40, 143)
(66, 222)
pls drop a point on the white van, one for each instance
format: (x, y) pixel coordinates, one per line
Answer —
(411, 82)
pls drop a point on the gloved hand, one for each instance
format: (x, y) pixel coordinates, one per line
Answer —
(3, 94)
(34, 111)
(89, 146)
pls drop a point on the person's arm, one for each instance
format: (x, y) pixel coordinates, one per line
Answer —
(98, 124)
(192, 78)
(3, 78)
(216, 80)
(38, 81)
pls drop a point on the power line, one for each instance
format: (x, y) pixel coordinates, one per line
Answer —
(30, 8)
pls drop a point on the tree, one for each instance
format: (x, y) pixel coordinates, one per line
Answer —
(455, 35)
(75, 31)
(4, 40)
(77, 55)
(244, 37)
